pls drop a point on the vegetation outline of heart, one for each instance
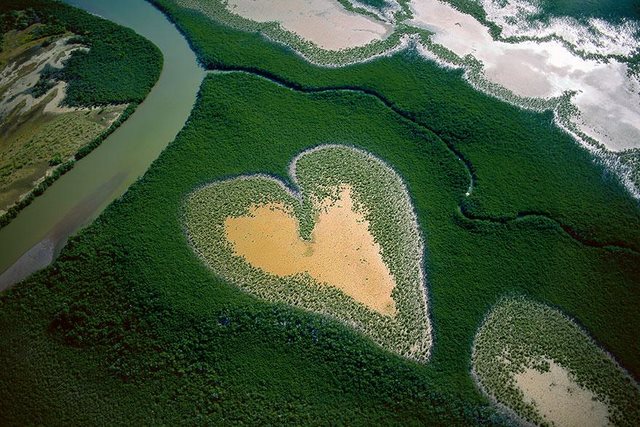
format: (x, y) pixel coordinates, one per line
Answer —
(345, 244)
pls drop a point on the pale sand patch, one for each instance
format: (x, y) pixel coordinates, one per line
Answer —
(559, 399)
(60, 92)
(55, 105)
(608, 99)
(342, 252)
(323, 22)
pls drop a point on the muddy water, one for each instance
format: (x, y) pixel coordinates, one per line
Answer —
(35, 237)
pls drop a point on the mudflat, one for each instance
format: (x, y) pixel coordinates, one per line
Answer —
(606, 95)
(325, 23)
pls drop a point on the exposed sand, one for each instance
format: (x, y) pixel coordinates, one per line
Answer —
(36, 258)
(342, 252)
(19, 78)
(323, 22)
(608, 100)
(560, 400)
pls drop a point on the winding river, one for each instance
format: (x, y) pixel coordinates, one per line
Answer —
(34, 238)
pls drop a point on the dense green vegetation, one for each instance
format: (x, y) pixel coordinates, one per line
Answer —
(129, 324)
(136, 304)
(378, 4)
(119, 67)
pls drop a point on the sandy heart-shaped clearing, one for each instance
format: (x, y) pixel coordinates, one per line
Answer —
(341, 252)
(347, 245)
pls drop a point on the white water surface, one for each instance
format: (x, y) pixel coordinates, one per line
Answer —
(607, 98)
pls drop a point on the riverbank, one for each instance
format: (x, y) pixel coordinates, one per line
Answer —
(59, 95)
(122, 157)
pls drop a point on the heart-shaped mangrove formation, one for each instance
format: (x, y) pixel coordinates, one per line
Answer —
(347, 244)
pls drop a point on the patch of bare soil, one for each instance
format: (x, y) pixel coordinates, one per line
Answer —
(326, 23)
(341, 253)
(560, 400)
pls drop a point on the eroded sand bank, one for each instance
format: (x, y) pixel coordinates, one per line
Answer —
(341, 253)
(559, 399)
(17, 79)
(325, 23)
(608, 99)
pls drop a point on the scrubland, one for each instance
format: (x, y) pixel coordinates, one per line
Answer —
(37, 146)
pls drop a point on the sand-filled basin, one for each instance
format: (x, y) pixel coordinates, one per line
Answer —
(341, 252)
(325, 23)
(343, 242)
(559, 399)
(543, 367)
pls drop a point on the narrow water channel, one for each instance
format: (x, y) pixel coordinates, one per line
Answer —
(34, 238)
